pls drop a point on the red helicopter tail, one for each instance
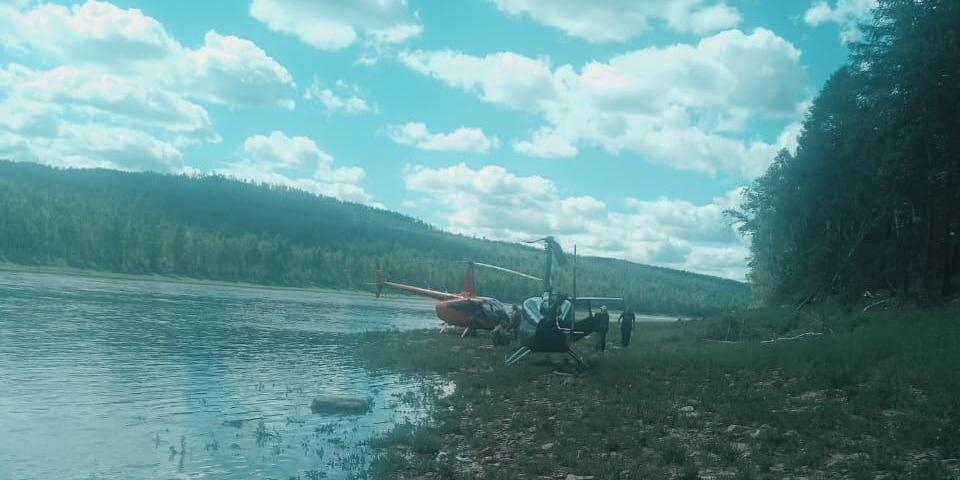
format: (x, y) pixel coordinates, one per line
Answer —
(468, 288)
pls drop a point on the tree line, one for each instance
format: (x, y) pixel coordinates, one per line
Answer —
(213, 227)
(869, 201)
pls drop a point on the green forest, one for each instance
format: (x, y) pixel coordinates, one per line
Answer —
(870, 201)
(211, 227)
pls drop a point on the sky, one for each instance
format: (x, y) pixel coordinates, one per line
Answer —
(623, 126)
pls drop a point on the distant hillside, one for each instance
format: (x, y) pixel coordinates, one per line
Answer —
(217, 228)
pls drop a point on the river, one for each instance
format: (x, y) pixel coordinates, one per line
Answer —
(129, 379)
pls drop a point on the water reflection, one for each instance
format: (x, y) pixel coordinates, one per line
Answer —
(126, 379)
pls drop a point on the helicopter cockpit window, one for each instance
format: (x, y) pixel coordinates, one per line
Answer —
(496, 304)
(562, 314)
(531, 307)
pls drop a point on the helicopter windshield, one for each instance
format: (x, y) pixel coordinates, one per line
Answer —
(564, 309)
(495, 304)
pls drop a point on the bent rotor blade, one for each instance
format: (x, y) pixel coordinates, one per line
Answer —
(598, 299)
(507, 270)
(557, 252)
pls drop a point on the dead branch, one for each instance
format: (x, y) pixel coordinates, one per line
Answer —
(779, 339)
(874, 304)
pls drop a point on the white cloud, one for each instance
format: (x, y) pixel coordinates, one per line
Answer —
(333, 25)
(232, 71)
(619, 20)
(463, 139)
(493, 202)
(675, 105)
(71, 117)
(90, 145)
(350, 102)
(93, 32)
(119, 98)
(121, 91)
(103, 37)
(848, 14)
(116, 147)
(504, 78)
(546, 143)
(758, 156)
(726, 261)
(297, 162)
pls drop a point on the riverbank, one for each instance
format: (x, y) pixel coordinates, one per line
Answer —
(865, 395)
(153, 277)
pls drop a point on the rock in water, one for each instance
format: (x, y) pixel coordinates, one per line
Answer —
(338, 404)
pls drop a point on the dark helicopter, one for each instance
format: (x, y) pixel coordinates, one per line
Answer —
(549, 322)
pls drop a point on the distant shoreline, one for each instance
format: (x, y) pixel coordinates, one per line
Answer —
(154, 277)
(148, 277)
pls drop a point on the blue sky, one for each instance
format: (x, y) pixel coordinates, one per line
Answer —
(626, 127)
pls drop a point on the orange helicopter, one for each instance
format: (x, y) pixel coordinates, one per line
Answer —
(465, 309)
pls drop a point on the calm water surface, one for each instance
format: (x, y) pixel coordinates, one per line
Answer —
(123, 379)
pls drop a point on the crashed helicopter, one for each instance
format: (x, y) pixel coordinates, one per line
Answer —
(549, 322)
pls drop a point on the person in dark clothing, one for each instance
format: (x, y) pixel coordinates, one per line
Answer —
(515, 317)
(626, 326)
(471, 327)
(602, 322)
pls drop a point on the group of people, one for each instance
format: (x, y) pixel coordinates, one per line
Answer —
(601, 321)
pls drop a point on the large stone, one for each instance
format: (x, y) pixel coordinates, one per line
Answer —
(339, 404)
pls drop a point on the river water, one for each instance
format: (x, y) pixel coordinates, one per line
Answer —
(127, 379)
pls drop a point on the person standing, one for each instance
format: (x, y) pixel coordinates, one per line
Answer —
(626, 326)
(602, 322)
(515, 317)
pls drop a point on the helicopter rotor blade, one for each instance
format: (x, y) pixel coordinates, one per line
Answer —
(553, 247)
(507, 270)
(557, 251)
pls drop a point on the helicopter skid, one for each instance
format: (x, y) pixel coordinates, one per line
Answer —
(517, 355)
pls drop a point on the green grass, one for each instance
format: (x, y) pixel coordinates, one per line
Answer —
(875, 394)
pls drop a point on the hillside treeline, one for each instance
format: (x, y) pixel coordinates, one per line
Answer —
(871, 199)
(216, 228)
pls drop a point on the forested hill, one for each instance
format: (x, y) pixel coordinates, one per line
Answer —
(216, 228)
(870, 201)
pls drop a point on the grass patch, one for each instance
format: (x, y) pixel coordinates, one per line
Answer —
(873, 395)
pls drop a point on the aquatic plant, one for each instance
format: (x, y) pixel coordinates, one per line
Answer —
(263, 435)
(213, 445)
(325, 429)
(296, 421)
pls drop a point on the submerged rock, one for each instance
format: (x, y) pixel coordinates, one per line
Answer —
(339, 404)
(233, 423)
